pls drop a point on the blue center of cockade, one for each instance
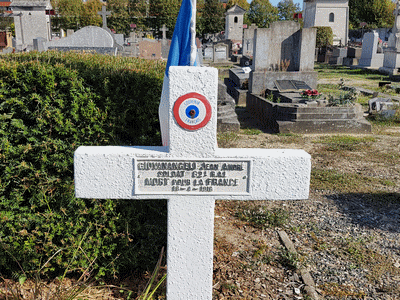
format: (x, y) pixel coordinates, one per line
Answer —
(192, 111)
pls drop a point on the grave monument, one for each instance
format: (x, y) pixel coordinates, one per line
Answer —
(283, 66)
(370, 58)
(30, 22)
(88, 39)
(391, 61)
(191, 172)
(282, 51)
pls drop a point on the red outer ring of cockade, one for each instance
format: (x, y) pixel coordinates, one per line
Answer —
(178, 103)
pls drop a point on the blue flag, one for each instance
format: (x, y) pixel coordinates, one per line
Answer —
(183, 52)
(183, 49)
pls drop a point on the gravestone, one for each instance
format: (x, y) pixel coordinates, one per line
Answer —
(88, 39)
(119, 38)
(30, 22)
(283, 43)
(353, 56)
(191, 172)
(220, 52)
(150, 49)
(164, 30)
(104, 13)
(248, 40)
(391, 61)
(70, 32)
(370, 58)
(209, 53)
(337, 56)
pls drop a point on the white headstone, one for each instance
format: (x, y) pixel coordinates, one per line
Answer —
(369, 56)
(191, 173)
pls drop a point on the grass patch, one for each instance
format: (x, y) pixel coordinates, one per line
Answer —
(261, 217)
(288, 259)
(357, 250)
(346, 142)
(251, 131)
(227, 139)
(329, 71)
(331, 180)
(340, 291)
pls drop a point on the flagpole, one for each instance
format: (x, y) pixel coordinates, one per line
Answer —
(193, 47)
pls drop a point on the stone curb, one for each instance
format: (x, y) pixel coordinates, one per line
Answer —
(305, 275)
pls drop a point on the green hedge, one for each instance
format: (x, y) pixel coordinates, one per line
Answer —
(50, 104)
(324, 36)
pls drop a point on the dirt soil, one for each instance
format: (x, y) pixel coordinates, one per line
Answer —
(346, 235)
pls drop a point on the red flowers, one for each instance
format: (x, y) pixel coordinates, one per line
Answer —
(313, 94)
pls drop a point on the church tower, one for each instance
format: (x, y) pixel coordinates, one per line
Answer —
(332, 13)
(234, 23)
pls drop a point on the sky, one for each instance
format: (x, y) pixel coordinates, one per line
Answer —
(275, 2)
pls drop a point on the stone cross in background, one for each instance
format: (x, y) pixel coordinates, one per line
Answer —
(192, 172)
(104, 13)
(164, 30)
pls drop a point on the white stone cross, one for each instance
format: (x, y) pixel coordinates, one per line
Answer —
(164, 30)
(104, 13)
(192, 172)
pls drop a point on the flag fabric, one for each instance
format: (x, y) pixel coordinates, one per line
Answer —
(183, 52)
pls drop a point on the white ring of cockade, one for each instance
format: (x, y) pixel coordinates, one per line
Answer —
(192, 111)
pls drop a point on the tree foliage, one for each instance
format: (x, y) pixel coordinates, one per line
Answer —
(212, 17)
(376, 13)
(164, 12)
(286, 9)
(262, 13)
(74, 14)
(119, 20)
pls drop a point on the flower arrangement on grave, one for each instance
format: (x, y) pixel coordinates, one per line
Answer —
(311, 94)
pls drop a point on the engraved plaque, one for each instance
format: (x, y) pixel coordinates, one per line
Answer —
(194, 177)
(291, 85)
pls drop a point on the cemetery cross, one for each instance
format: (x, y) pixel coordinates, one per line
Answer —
(104, 13)
(191, 173)
(164, 30)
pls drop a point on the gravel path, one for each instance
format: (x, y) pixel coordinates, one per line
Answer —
(347, 236)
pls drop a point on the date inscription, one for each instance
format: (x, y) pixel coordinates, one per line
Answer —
(192, 177)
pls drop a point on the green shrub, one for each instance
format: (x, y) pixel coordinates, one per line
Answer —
(324, 36)
(50, 104)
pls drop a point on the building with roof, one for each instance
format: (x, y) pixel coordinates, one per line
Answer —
(234, 23)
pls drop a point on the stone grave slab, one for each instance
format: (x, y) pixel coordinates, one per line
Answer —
(191, 172)
(284, 86)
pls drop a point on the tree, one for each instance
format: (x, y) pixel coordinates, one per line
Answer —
(74, 14)
(119, 20)
(212, 17)
(286, 9)
(242, 3)
(376, 13)
(70, 12)
(262, 13)
(89, 15)
(164, 12)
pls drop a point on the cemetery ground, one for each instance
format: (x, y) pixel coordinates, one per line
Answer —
(346, 235)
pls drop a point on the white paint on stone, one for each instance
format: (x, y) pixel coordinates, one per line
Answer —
(110, 172)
